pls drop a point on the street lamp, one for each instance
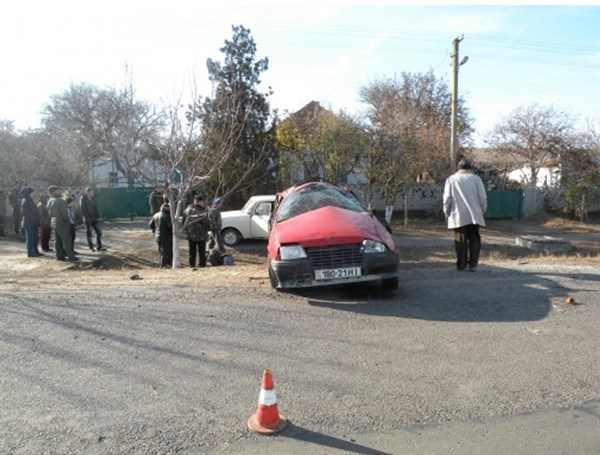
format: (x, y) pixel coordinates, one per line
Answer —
(455, 65)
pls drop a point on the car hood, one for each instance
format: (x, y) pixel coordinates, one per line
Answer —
(233, 215)
(329, 226)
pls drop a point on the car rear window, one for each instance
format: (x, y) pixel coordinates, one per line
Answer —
(314, 197)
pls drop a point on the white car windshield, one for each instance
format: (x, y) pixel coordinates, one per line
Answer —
(248, 206)
(314, 197)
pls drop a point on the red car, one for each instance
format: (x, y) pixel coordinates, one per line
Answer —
(320, 234)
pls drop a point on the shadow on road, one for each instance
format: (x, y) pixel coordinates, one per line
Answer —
(492, 294)
(302, 434)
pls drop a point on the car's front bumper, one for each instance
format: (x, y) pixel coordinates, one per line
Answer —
(299, 273)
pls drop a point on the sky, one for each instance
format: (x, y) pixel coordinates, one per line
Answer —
(324, 51)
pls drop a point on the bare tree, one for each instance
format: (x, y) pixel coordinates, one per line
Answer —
(315, 141)
(189, 156)
(94, 123)
(409, 126)
(580, 172)
(534, 134)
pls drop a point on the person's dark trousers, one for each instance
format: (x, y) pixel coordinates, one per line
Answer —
(45, 234)
(197, 248)
(89, 225)
(467, 242)
(73, 231)
(31, 239)
(62, 243)
(165, 253)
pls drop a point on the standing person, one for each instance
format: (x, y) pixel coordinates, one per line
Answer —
(162, 228)
(196, 225)
(31, 222)
(465, 201)
(45, 226)
(155, 200)
(91, 216)
(214, 216)
(72, 221)
(59, 219)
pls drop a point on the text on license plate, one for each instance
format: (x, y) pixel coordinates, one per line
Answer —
(330, 274)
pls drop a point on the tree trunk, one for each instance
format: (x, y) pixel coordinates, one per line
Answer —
(176, 231)
(389, 212)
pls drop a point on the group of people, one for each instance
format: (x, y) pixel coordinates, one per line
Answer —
(58, 215)
(464, 202)
(199, 223)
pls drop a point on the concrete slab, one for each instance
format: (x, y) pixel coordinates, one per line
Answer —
(543, 243)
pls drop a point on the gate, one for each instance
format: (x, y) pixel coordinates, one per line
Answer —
(504, 204)
(123, 202)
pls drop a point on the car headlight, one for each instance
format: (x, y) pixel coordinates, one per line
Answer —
(291, 252)
(371, 246)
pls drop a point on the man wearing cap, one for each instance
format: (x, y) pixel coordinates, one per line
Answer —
(196, 224)
(216, 224)
(31, 222)
(162, 228)
(465, 201)
(61, 225)
(91, 216)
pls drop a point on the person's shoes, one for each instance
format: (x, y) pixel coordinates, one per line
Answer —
(49, 250)
(92, 249)
(61, 259)
(461, 270)
(38, 254)
(100, 248)
(472, 269)
(73, 259)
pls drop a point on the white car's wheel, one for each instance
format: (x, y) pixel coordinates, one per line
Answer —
(231, 237)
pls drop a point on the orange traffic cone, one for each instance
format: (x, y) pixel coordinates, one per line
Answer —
(267, 419)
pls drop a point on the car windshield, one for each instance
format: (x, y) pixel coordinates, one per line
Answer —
(314, 197)
(248, 206)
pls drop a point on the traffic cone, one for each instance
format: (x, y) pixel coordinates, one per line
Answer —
(267, 419)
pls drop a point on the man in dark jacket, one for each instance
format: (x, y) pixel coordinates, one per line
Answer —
(196, 224)
(45, 226)
(31, 222)
(162, 228)
(61, 225)
(91, 216)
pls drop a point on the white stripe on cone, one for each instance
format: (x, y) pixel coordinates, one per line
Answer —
(267, 397)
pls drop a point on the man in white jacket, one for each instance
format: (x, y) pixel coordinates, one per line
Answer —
(465, 202)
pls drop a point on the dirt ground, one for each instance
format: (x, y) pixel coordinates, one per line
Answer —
(131, 254)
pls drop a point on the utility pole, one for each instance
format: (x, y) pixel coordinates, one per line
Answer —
(455, 65)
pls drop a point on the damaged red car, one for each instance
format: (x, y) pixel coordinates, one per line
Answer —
(320, 234)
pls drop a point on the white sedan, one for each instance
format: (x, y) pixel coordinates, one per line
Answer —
(252, 222)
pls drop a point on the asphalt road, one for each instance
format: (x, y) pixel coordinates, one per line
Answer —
(492, 361)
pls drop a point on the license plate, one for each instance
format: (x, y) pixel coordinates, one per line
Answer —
(331, 274)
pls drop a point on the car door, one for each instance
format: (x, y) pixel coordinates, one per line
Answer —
(259, 221)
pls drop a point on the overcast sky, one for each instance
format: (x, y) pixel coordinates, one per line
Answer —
(323, 51)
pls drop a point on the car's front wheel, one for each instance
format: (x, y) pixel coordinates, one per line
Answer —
(231, 237)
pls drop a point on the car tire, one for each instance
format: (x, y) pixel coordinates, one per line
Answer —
(390, 284)
(231, 237)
